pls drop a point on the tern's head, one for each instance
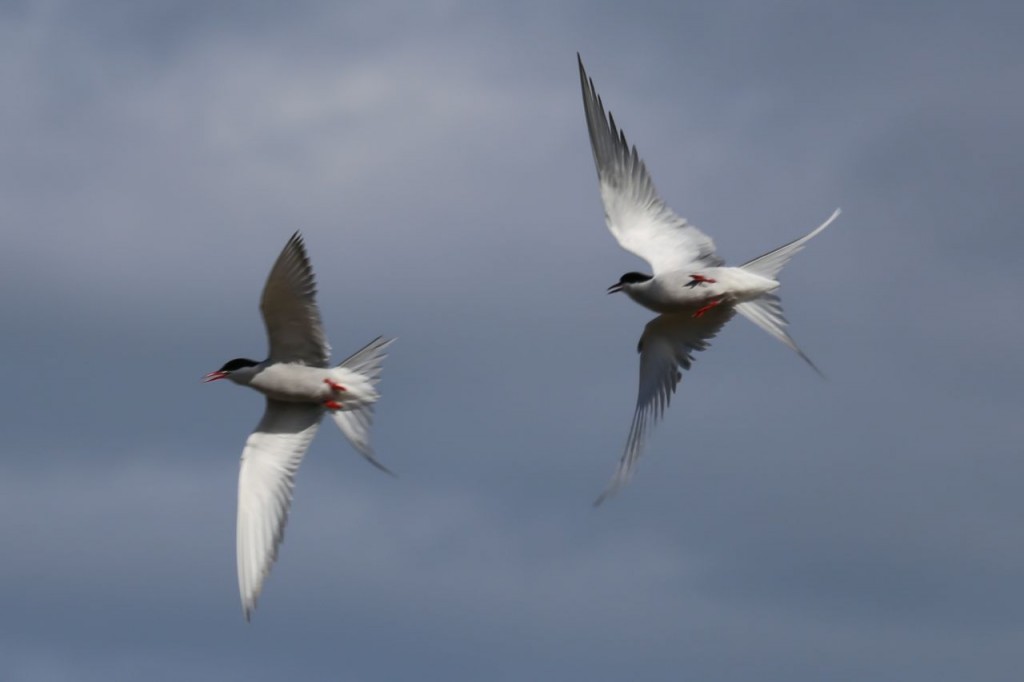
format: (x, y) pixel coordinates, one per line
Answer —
(629, 280)
(234, 367)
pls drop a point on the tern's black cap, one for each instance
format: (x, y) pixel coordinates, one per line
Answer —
(634, 278)
(238, 363)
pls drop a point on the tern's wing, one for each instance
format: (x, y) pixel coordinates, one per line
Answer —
(636, 215)
(289, 309)
(668, 343)
(271, 457)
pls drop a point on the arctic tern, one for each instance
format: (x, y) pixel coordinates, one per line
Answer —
(691, 288)
(300, 387)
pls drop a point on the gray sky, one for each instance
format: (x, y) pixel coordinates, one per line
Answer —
(154, 159)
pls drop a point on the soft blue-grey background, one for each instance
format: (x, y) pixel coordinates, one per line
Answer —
(154, 158)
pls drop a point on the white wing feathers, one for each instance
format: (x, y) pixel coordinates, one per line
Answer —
(270, 459)
(668, 342)
(636, 215)
(290, 312)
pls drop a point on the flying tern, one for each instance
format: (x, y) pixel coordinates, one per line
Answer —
(300, 386)
(690, 287)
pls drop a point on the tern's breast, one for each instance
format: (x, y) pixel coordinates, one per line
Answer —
(292, 383)
(674, 292)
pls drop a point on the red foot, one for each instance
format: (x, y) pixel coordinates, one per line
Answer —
(332, 405)
(699, 279)
(334, 385)
(700, 311)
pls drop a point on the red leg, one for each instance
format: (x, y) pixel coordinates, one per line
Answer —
(702, 279)
(334, 385)
(700, 311)
(332, 405)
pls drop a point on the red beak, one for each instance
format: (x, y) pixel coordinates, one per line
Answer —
(213, 376)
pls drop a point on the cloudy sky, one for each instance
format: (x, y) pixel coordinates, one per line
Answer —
(154, 159)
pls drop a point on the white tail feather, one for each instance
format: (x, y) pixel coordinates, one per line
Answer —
(772, 262)
(355, 422)
(766, 313)
(369, 359)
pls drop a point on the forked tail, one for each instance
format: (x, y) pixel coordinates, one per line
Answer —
(369, 359)
(772, 262)
(355, 423)
(766, 311)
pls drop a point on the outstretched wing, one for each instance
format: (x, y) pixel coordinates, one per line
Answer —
(270, 459)
(290, 311)
(668, 343)
(636, 215)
